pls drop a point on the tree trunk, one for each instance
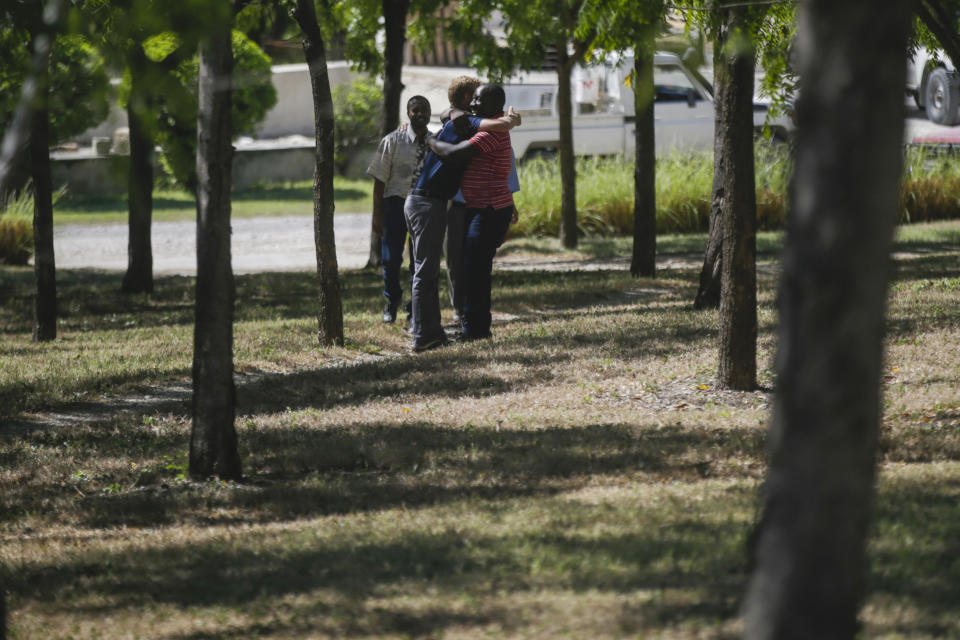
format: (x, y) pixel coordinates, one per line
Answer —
(213, 444)
(44, 264)
(395, 30)
(15, 164)
(708, 295)
(644, 262)
(734, 194)
(139, 275)
(330, 312)
(568, 169)
(809, 553)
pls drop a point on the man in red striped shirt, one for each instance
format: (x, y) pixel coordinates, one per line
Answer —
(489, 206)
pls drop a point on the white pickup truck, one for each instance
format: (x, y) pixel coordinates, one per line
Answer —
(934, 85)
(603, 111)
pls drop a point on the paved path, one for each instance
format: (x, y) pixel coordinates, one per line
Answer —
(282, 243)
(258, 244)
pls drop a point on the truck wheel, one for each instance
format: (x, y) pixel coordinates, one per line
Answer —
(943, 97)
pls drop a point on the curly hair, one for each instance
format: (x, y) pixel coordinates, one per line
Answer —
(461, 86)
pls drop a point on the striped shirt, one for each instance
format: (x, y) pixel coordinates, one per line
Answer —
(485, 180)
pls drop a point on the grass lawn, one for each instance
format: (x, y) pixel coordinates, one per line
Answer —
(576, 477)
(295, 198)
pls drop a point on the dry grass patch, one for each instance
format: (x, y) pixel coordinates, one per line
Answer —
(577, 476)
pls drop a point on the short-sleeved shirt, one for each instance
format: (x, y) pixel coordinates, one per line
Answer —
(398, 161)
(485, 182)
(513, 181)
(442, 179)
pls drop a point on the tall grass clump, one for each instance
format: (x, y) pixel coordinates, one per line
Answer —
(683, 183)
(16, 229)
(930, 189)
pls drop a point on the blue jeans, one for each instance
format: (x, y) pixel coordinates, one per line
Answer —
(391, 249)
(485, 231)
(426, 219)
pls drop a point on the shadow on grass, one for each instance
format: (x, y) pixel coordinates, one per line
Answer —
(936, 266)
(665, 545)
(917, 535)
(298, 470)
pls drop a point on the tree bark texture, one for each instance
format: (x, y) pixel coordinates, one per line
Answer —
(330, 310)
(734, 195)
(395, 33)
(809, 551)
(213, 444)
(44, 264)
(708, 295)
(644, 260)
(568, 169)
(139, 275)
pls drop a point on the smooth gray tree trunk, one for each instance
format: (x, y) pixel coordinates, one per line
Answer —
(139, 275)
(644, 260)
(809, 554)
(213, 443)
(568, 168)
(330, 310)
(734, 194)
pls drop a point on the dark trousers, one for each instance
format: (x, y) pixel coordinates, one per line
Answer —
(485, 231)
(391, 249)
(426, 219)
(453, 245)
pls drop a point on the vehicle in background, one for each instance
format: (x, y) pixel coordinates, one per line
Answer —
(603, 110)
(934, 85)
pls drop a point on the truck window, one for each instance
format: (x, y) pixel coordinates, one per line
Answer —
(671, 84)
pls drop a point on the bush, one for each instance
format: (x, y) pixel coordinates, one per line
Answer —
(16, 230)
(358, 112)
(253, 97)
(79, 86)
(930, 189)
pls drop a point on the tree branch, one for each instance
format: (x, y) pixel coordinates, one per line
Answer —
(935, 17)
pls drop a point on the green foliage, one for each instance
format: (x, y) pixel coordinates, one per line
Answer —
(78, 82)
(16, 226)
(530, 27)
(253, 96)
(358, 112)
(930, 189)
(775, 37)
(358, 23)
(605, 193)
(16, 230)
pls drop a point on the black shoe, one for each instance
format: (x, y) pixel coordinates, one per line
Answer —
(389, 313)
(435, 343)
